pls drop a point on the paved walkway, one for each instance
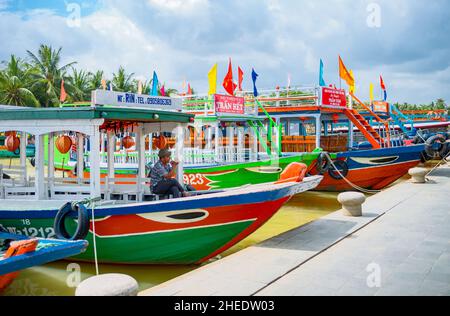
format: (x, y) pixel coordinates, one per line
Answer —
(401, 246)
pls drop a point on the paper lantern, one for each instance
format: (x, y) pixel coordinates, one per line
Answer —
(128, 142)
(161, 142)
(63, 144)
(12, 143)
(335, 118)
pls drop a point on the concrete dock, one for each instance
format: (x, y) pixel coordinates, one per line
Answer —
(401, 246)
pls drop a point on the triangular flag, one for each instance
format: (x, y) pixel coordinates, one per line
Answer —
(289, 81)
(163, 91)
(111, 87)
(63, 95)
(189, 92)
(321, 79)
(385, 95)
(228, 83)
(155, 84)
(212, 79)
(345, 74)
(240, 78)
(371, 93)
(254, 77)
(383, 86)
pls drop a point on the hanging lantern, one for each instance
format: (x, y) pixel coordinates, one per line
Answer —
(12, 143)
(335, 118)
(128, 142)
(161, 142)
(63, 144)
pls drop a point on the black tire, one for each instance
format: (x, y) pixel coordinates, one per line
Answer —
(323, 164)
(82, 229)
(342, 166)
(433, 151)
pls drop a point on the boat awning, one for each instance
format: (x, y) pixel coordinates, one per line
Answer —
(138, 115)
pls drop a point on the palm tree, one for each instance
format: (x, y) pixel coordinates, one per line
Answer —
(49, 74)
(79, 85)
(14, 80)
(123, 82)
(95, 80)
(13, 91)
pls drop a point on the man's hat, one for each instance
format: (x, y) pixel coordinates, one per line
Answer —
(164, 153)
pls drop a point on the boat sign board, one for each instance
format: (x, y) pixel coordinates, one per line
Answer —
(128, 99)
(333, 97)
(225, 104)
(380, 106)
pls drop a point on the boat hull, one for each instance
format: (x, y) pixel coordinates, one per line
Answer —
(374, 169)
(181, 231)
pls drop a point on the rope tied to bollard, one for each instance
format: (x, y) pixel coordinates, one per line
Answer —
(356, 187)
(444, 160)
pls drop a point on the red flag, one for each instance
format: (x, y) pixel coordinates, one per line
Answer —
(63, 95)
(163, 91)
(240, 78)
(189, 92)
(383, 86)
(228, 83)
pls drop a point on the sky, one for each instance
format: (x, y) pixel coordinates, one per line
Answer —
(404, 41)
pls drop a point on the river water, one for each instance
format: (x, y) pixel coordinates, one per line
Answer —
(61, 278)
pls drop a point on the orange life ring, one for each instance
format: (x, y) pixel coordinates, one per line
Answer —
(295, 172)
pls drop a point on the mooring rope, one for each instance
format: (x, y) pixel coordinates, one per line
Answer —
(356, 187)
(444, 160)
(90, 202)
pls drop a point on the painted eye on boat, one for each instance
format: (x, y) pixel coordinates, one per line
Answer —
(177, 217)
(191, 215)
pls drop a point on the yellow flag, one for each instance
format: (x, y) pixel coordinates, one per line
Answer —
(212, 78)
(371, 92)
(352, 87)
(140, 87)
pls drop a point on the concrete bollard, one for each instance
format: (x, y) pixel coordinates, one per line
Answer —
(352, 203)
(418, 175)
(108, 285)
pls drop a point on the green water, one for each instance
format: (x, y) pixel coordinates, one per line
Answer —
(59, 278)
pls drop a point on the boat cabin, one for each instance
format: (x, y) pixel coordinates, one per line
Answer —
(81, 129)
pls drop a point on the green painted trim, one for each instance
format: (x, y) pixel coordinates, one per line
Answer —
(106, 112)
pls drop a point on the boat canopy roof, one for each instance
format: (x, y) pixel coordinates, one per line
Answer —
(110, 113)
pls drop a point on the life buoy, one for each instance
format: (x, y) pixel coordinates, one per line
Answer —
(340, 165)
(436, 146)
(82, 229)
(323, 163)
(294, 172)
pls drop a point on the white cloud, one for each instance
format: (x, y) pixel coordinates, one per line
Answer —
(183, 39)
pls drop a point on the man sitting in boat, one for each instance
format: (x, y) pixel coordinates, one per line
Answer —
(163, 176)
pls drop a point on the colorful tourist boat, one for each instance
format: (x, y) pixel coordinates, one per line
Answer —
(129, 224)
(224, 147)
(370, 157)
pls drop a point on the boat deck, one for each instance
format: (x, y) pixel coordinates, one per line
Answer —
(401, 246)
